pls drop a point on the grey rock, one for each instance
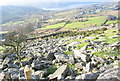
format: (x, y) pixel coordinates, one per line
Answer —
(2, 67)
(37, 65)
(61, 57)
(97, 42)
(40, 73)
(118, 57)
(84, 48)
(15, 76)
(94, 63)
(12, 66)
(60, 77)
(70, 77)
(62, 48)
(60, 71)
(79, 66)
(106, 67)
(71, 59)
(98, 59)
(73, 43)
(3, 55)
(88, 67)
(115, 44)
(70, 45)
(88, 76)
(24, 63)
(13, 70)
(21, 72)
(16, 63)
(7, 76)
(6, 61)
(78, 54)
(50, 56)
(22, 78)
(92, 38)
(110, 75)
(1, 60)
(105, 43)
(114, 36)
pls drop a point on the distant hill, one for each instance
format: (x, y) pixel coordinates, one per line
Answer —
(10, 13)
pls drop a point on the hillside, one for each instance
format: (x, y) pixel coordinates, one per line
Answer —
(16, 13)
(87, 53)
(76, 44)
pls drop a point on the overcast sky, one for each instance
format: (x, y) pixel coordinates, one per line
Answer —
(20, 2)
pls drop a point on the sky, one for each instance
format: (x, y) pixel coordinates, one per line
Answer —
(23, 2)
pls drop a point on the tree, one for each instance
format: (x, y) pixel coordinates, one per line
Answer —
(17, 41)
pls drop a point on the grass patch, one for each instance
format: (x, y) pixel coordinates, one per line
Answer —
(82, 45)
(68, 52)
(2, 49)
(112, 40)
(24, 59)
(72, 66)
(102, 53)
(51, 71)
(110, 33)
(54, 26)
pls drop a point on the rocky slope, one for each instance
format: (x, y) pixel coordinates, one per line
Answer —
(94, 57)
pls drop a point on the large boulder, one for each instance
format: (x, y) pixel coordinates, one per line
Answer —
(88, 76)
(83, 57)
(61, 57)
(110, 75)
(62, 70)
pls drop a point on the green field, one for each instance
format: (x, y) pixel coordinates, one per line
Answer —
(1, 49)
(94, 21)
(54, 26)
